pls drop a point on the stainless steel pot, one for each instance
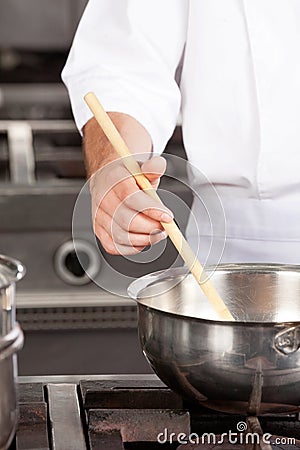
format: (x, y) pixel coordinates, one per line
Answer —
(250, 366)
(11, 340)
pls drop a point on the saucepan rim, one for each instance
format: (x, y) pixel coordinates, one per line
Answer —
(137, 285)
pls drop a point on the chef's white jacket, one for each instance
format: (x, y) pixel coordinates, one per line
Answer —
(239, 96)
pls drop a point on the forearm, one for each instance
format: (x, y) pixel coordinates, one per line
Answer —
(97, 149)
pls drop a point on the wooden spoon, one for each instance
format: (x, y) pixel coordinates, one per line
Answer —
(171, 228)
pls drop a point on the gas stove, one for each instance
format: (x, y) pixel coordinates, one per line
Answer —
(115, 412)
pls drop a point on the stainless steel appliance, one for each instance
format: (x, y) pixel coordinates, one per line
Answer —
(41, 174)
(11, 340)
(136, 412)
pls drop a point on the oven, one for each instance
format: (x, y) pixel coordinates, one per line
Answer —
(64, 314)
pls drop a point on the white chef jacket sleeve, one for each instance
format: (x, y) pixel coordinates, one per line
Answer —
(127, 52)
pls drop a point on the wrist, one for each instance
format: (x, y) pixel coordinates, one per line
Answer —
(98, 151)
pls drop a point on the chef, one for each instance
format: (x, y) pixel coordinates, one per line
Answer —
(239, 96)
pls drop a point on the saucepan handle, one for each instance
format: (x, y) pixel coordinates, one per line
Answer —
(287, 341)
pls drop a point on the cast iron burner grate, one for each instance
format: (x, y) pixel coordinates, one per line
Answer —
(118, 414)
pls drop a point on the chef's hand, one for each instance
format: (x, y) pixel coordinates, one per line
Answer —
(125, 218)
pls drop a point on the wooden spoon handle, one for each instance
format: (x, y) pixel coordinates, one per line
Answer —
(171, 228)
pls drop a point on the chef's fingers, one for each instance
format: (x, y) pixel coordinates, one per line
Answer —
(127, 218)
(142, 202)
(113, 248)
(116, 172)
(135, 222)
(124, 213)
(122, 236)
(127, 190)
(154, 169)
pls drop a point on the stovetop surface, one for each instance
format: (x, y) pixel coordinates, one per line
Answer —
(129, 412)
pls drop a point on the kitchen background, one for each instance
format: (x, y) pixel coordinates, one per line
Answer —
(71, 325)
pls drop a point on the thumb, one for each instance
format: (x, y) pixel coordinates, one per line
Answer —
(153, 169)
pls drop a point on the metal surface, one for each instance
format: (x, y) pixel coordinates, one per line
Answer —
(8, 309)
(255, 427)
(117, 413)
(256, 394)
(32, 430)
(10, 344)
(73, 273)
(77, 318)
(37, 218)
(21, 153)
(64, 414)
(214, 363)
(288, 340)
(133, 394)
(11, 271)
(136, 425)
(31, 95)
(42, 125)
(73, 299)
(39, 151)
(73, 379)
(11, 340)
(130, 410)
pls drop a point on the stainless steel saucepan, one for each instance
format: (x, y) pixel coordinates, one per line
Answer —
(250, 366)
(11, 340)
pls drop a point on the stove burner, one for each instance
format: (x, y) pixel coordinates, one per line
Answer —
(32, 427)
(133, 425)
(127, 414)
(128, 394)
